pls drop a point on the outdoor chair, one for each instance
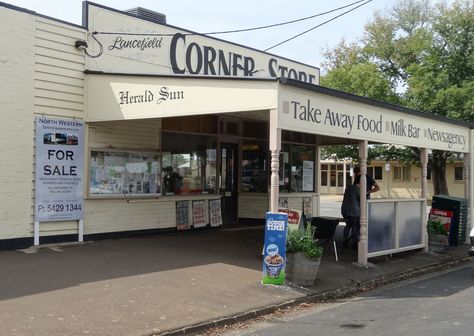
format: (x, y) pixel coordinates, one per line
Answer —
(325, 230)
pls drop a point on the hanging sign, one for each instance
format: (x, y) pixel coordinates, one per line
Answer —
(199, 214)
(274, 251)
(294, 217)
(59, 163)
(215, 214)
(182, 212)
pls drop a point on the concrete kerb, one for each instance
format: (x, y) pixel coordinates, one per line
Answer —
(314, 297)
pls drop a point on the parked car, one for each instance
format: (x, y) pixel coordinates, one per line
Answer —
(471, 238)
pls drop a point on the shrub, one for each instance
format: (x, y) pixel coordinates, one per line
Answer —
(303, 241)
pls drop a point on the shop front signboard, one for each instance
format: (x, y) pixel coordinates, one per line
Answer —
(59, 163)
(122, 41)
(323, 114)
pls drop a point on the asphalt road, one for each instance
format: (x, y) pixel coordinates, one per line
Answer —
(435, 305)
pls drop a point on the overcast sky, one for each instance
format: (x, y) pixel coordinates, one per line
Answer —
(217, 15)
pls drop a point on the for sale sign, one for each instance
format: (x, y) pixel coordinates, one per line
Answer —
(59, 169)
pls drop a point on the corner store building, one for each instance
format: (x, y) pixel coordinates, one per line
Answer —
(173, 95)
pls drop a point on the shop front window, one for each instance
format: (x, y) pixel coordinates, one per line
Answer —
(189, 164)
(124, 173)
(302, 168)
(254, 167)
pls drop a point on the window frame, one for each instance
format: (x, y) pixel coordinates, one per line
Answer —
(122, 195)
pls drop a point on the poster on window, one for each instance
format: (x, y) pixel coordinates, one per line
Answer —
(199, 214)
(59, 165)
(308, 173)
(215, 214)
(182, 215)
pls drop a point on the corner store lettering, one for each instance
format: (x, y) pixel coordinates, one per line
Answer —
(209, 61)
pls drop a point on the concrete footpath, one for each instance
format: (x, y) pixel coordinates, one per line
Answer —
(172, 284)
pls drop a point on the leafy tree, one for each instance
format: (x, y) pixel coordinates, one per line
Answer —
(416, 54)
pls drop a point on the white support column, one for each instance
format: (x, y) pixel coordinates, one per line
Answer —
(470, 195)
(80, 237)
(317, 184)
(467, 188)
(424, 193)
(344, 171)
(36, 236)
(363, 245)
(275, 147)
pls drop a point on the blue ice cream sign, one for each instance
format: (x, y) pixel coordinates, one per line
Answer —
(274, 253)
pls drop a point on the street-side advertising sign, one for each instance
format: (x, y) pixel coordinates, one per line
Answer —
(59, 169)
(443, 216)
(274, 251)
(294, 217)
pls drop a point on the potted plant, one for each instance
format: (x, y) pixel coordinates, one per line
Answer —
(303, 256)
(437, 236)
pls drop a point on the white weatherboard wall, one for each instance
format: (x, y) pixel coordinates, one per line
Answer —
(112, 215)
(58, 86)
(17, 55)
(41, 74)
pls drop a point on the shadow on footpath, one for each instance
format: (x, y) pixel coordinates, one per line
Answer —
(65, 266)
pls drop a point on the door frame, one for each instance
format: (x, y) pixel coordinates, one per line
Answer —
(238, 144)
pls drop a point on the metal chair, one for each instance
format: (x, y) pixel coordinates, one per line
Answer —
(325, 230)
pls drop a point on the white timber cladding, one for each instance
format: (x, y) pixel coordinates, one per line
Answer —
(17, 122)
(134, 97)
(115, 215)
(59, 79)
(317, 113)
(130, 134)
(58, 86)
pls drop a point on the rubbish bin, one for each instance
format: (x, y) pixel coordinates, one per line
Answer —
(453, 212)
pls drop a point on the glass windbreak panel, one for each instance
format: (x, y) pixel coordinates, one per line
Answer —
(302, 168)
(285, 169)
(409, 223)
(189, 164)
(116, 173)
(254, 167)
(381, 226)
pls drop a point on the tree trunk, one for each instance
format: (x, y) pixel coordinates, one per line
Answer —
(438, 173)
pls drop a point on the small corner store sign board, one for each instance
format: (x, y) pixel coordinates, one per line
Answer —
(59, 162)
